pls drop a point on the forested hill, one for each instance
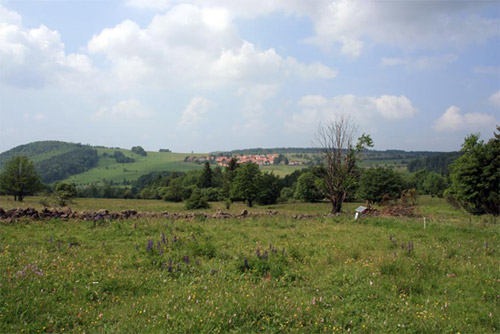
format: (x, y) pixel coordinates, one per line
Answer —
(368, 154)
(55, 160)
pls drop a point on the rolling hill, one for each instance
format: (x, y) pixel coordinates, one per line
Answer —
(84, 165)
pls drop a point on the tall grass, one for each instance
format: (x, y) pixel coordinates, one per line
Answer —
(267, 274)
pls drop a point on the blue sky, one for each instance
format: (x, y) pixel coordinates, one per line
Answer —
(223, 74)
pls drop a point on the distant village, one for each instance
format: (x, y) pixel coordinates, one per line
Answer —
(259, 159)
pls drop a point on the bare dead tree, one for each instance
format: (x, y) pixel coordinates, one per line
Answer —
(335, 138)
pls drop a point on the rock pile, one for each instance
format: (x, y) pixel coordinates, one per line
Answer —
(104, 214)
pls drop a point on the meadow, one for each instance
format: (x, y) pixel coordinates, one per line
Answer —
(259, 274)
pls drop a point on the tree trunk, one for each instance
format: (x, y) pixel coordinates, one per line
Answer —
(249, 203)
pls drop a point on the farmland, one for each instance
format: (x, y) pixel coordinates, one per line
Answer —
(271, 273)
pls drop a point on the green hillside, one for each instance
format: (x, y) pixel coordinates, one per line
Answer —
(108, 169)
(55, 160)
(38, 151)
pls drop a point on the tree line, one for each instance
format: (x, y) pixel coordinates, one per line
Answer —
(473, 181)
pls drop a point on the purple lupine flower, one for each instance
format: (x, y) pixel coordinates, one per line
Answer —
(245, 265)
(186, 259)
(257, 252)
(170, 267)
(150, 245)
(175, 238)
(163, 239)
(161, 250)
(136, 246)
(158, 245)
(265, 255)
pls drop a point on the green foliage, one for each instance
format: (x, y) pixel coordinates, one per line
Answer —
(475, 176)
(61, 166)
(286, 194)
(197, 201)
(212, 194)
(377, 184)
(19, 178)
(174, 191)
(438, 163)
(245, 185)
(64, 193)
(206, 177)
(434, 184)
(307, 188)
(139, 150)
(121, 158)
(269, 189)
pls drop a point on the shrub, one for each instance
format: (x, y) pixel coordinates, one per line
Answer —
(197, 201)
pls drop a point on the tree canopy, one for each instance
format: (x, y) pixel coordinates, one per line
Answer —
(19, 178)
(475, 176)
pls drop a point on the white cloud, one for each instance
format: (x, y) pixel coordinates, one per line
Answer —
(395, 107)
(495, 99)
(364, 109)
(196, 111)
(453, 120)
(352, 24)
(9, 17)
(421, 63)
(130, 109)
(35, 57)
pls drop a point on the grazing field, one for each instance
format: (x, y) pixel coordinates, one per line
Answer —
(259, 274)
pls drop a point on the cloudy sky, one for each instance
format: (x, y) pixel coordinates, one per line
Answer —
(206, 75)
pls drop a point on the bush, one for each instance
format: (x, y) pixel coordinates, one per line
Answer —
(380, 184)
(197, 201)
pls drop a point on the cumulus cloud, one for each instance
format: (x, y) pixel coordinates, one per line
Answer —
(495, 99)
(454, 120)
(198, 47)
(196, 111)
(421, 63)
(130, 109)
(364, 109)
(350, 25)
(35, 57)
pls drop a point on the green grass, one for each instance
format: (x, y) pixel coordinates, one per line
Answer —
(335, 274)
(110, 170)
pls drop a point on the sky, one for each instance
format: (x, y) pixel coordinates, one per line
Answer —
(212, 75)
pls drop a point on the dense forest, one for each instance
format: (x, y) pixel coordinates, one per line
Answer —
(436, 163)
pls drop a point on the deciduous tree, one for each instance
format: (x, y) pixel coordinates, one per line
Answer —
(340, 155)
(475, 176)
(19, 178)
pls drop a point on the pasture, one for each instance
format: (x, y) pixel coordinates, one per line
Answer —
(259, 274)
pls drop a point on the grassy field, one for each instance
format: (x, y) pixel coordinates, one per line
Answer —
(327, 274)
(110, 170)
